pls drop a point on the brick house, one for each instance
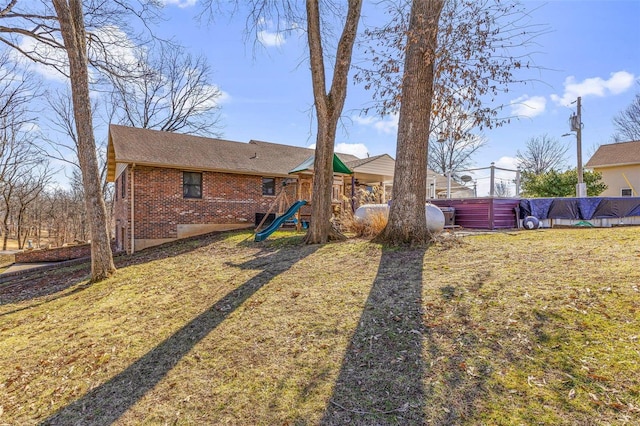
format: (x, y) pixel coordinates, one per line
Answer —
(170, 186)
(619, 164)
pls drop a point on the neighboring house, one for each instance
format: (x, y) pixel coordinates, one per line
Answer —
(170, 186)
(619, 164)
(372, 179)
(437, 187)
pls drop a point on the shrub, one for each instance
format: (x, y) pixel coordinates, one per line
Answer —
(369, 228)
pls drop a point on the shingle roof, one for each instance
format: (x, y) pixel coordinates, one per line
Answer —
(616, 154)
(377, 168)
(362, 161)
(174, 150)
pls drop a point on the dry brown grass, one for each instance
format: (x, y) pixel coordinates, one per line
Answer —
(6, 260)
(369, 228)
(533, 327)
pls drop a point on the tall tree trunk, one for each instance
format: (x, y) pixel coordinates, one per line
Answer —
(19, 228)
(71, 21)
(5, 237)
(6, 197)
(26, 236)
(328, 110)
(407, 220)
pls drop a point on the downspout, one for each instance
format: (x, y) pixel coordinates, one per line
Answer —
(133, 240)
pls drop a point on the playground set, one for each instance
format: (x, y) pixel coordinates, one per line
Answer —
(283, 216)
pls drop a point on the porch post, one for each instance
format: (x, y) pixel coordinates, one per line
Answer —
(353, 193)
(298, 196)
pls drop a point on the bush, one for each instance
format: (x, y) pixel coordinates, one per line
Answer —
(369, 228)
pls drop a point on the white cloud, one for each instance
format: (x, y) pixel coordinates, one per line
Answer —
(270, 35)
(180, 3)
(617, 83)
(217, 97)
(30, 127)
(120, 51)
(387, 125)
(224, 97)
(271, 39)
(526, 106)
(357, 149)
(620, 82)
(507, 162)
(46, 52)
(365, 121)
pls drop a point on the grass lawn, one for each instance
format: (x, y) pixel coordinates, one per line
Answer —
(530, 327)
(6, 260)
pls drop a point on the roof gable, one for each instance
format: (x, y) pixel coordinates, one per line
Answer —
(165, 149)
(382, 165)
(616, 154)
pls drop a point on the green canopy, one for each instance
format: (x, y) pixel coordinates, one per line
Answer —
(338, 166)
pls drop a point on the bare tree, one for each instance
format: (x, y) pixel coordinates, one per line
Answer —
(72, 29)
(502, 189)
(481, 47)
(55, 34)
(17, 89)
(627, 122)
(17, 159)
(452, 144)
(328, 106)
(328, 98)
(168, 90)
(65, 149)
(477, 58)
(27, 190)
(32, 28)
(17, 156)
(407, 221)
(541, 155)
(63, 215)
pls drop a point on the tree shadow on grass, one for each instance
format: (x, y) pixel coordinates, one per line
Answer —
(456, 347)
(381, 379)
(457, 375)
(39, 283)
(106, 403)
(468, 347)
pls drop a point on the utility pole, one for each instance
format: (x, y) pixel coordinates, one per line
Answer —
(576, 125)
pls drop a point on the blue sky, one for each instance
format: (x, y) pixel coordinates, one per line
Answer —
(592, 49)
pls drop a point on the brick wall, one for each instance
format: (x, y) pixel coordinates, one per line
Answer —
(121, 209)
(227, 198)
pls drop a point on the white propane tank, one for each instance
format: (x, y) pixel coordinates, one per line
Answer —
(365, 211)
(435, 217)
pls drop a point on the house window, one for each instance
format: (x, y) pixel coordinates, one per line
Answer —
(268, 186)
(123, 184)
(191, 185)
(626, 192)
